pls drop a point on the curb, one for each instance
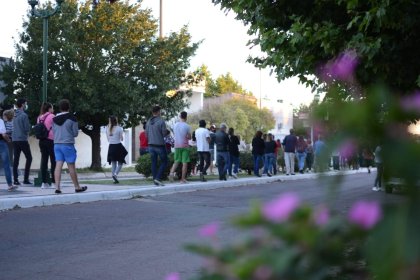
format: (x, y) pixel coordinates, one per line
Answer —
(49, 200)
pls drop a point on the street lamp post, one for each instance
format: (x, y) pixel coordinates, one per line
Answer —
(45, 15)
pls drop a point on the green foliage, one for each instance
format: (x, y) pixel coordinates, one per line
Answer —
(297, 249)
(298, 37)
(221, 85)
(241, 114)
(106, 60)
(144, 165)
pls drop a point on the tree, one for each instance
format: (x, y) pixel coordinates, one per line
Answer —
(299, 37)
(107, 61)
(243, 115)
(223, 84)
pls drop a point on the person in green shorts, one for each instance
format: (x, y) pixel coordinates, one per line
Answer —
(182, 133)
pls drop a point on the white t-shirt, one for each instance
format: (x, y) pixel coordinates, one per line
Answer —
(181, 130)
(201, 134)
(2, 127)
(117, 134)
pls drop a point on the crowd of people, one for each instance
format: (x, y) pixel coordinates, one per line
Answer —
(56, 134)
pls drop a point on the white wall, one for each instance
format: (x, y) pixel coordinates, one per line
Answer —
(84, 150)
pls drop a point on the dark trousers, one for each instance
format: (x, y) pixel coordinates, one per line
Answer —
(47, 151)
(18, 147)
(204, 157)
(155, 152)
(379, 174)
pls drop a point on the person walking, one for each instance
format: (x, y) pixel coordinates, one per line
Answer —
(46, 145)
(276, 155)
(379, 168)
(258, 147)
(4, 155)
(367, 158)
(319, 149)
(309, 156)
(289, 145)
(202, 135)
(144, 146)
(222, 149)
(182, 135)
(65, 130)
(212, 130)
(8, 116)
(156, 131)
(233, 153)
(269, 154)
(116, 150)
(20, 134)
(301, 147)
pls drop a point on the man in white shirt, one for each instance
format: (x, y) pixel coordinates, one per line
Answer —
(182, 133)
(202, 136)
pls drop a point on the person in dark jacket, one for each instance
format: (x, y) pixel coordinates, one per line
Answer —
(156, 131)
(258, 147)
(289, 145)
(301, 153)
(20, 134)
(233, 153)
(269, 154)
(65, 129)
(222, 147)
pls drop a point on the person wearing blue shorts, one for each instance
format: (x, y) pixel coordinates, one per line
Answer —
(65, 128)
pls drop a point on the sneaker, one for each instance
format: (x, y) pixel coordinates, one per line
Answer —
(183, 182)
(16, 183)
(114, 177)
(45, 186)
(28, 183)
(269, 174)
(158, 183)
(376, 189)
(202, 177)
(12, 188)
(234, 175)
(58, 191)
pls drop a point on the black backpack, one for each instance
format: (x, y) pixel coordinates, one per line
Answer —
(40, 130)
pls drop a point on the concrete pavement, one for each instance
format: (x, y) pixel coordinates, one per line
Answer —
(25, 197)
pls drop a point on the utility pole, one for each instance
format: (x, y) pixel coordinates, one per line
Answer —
(160, 19)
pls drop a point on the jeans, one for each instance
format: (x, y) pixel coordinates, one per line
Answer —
(4, 155)
(47, 151)
(289, 160)
(21, 146)
(257, 160)
(268, 162)
(234, 160)
(301, 156)
(222, 163)
(143, 151)
(156, 152)
(204, 157)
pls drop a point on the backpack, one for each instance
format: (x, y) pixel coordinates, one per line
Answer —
(40, 130)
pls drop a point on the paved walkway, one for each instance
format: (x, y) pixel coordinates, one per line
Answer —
(25, 197)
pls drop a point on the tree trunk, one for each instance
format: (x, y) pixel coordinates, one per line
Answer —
(95, 137)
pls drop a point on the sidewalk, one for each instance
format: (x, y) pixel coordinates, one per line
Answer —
(25, 197)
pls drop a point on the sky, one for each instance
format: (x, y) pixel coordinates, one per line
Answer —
(223, 48)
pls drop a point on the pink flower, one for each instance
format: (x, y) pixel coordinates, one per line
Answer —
(347, 149)
(263, 273)
(209, 230)
(321, 215)
(173, 276)
(411, 103)
(342, 68)
(279, 209)
(365, 214)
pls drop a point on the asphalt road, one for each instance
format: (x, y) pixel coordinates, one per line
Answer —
(143, 238)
